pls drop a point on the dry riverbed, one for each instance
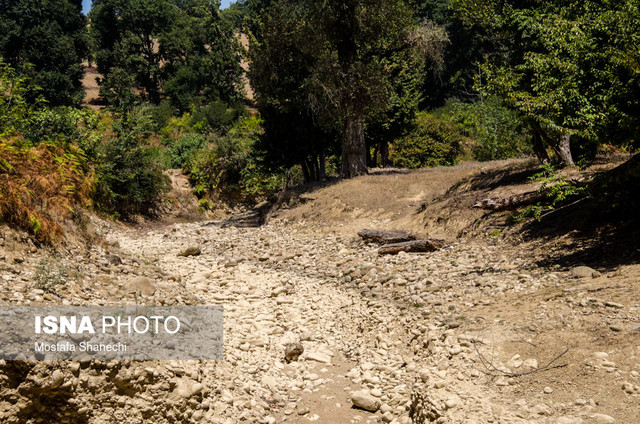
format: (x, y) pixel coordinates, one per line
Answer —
(478, 332)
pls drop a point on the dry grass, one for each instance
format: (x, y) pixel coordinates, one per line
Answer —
(40, 187)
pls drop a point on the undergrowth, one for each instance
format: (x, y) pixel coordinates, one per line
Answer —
(557, 188)
(39, 186)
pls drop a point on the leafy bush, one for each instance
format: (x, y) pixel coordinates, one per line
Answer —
(60, 123)
(215, 116)
(497, 132)
(130, 178)
(178, 125)
(432, 142)
(229, 169)
(161, 114)
(558, 189)
(181, 151)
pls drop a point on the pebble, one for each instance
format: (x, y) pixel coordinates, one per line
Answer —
(318, 357)
(190, 251)
(365, 401)
(603, 418)
(585, 272)
(141, 285)
(292, 351)
(451, 403)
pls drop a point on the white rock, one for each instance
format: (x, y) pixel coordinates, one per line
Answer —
(318, 357)
(365, 401)
(603, 418)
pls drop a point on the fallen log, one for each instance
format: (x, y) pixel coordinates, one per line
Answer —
(511, 202)
(428, 245)
(385, 237)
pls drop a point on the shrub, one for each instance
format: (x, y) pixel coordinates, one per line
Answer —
(130, 177)
(179, 152)
(432, 142)
(228, 168)
(51, 272)
(215, 116)
(161, 114)
(496, 131)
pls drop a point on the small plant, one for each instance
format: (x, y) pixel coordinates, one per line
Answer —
(49, 274)
(558, 190)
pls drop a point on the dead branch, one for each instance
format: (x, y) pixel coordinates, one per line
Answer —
(428, 245)
(493, 371)
(384, 236)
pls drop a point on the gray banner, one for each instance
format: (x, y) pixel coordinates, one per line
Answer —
(133, 332)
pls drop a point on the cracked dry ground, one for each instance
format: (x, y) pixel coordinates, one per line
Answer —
(432, 337)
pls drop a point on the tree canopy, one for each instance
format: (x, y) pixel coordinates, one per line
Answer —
(50, 37)
(340, 64)
(569, 68)
(181, 50)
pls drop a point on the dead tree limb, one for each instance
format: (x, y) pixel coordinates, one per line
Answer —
(493, 371)
(385, 237)
(511, 202)
(428, 245)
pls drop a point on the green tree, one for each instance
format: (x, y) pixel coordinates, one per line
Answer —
(51, 35)
(468, 44)
(569, 68)
(279, 67)
(179, 49)
(340, 61)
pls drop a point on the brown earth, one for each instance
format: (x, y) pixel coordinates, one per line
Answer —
(453, 331)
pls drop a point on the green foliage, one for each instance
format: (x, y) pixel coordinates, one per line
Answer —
(558, 190)
(51, 36)
(331, 68)
(15, 111)
(50, 273)
(567, 67)
(468, 44)
(229, 169)
(161, 114)
(181, 50)
(433, 142)
(215, 116)
(497, 132)
(181, 151)
(130, 177)
(37, 122)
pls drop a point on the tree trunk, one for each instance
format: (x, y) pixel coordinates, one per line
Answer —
(538, 147)
(385, 237)
(428, 245)
(354, 148)
(315, 169)
(561, 145)
(323, 165)
(305, 171)
(562, 149)
(384, 153)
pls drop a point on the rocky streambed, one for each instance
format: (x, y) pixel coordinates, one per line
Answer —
(457, 335)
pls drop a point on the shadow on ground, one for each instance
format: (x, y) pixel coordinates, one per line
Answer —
(583, 235)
